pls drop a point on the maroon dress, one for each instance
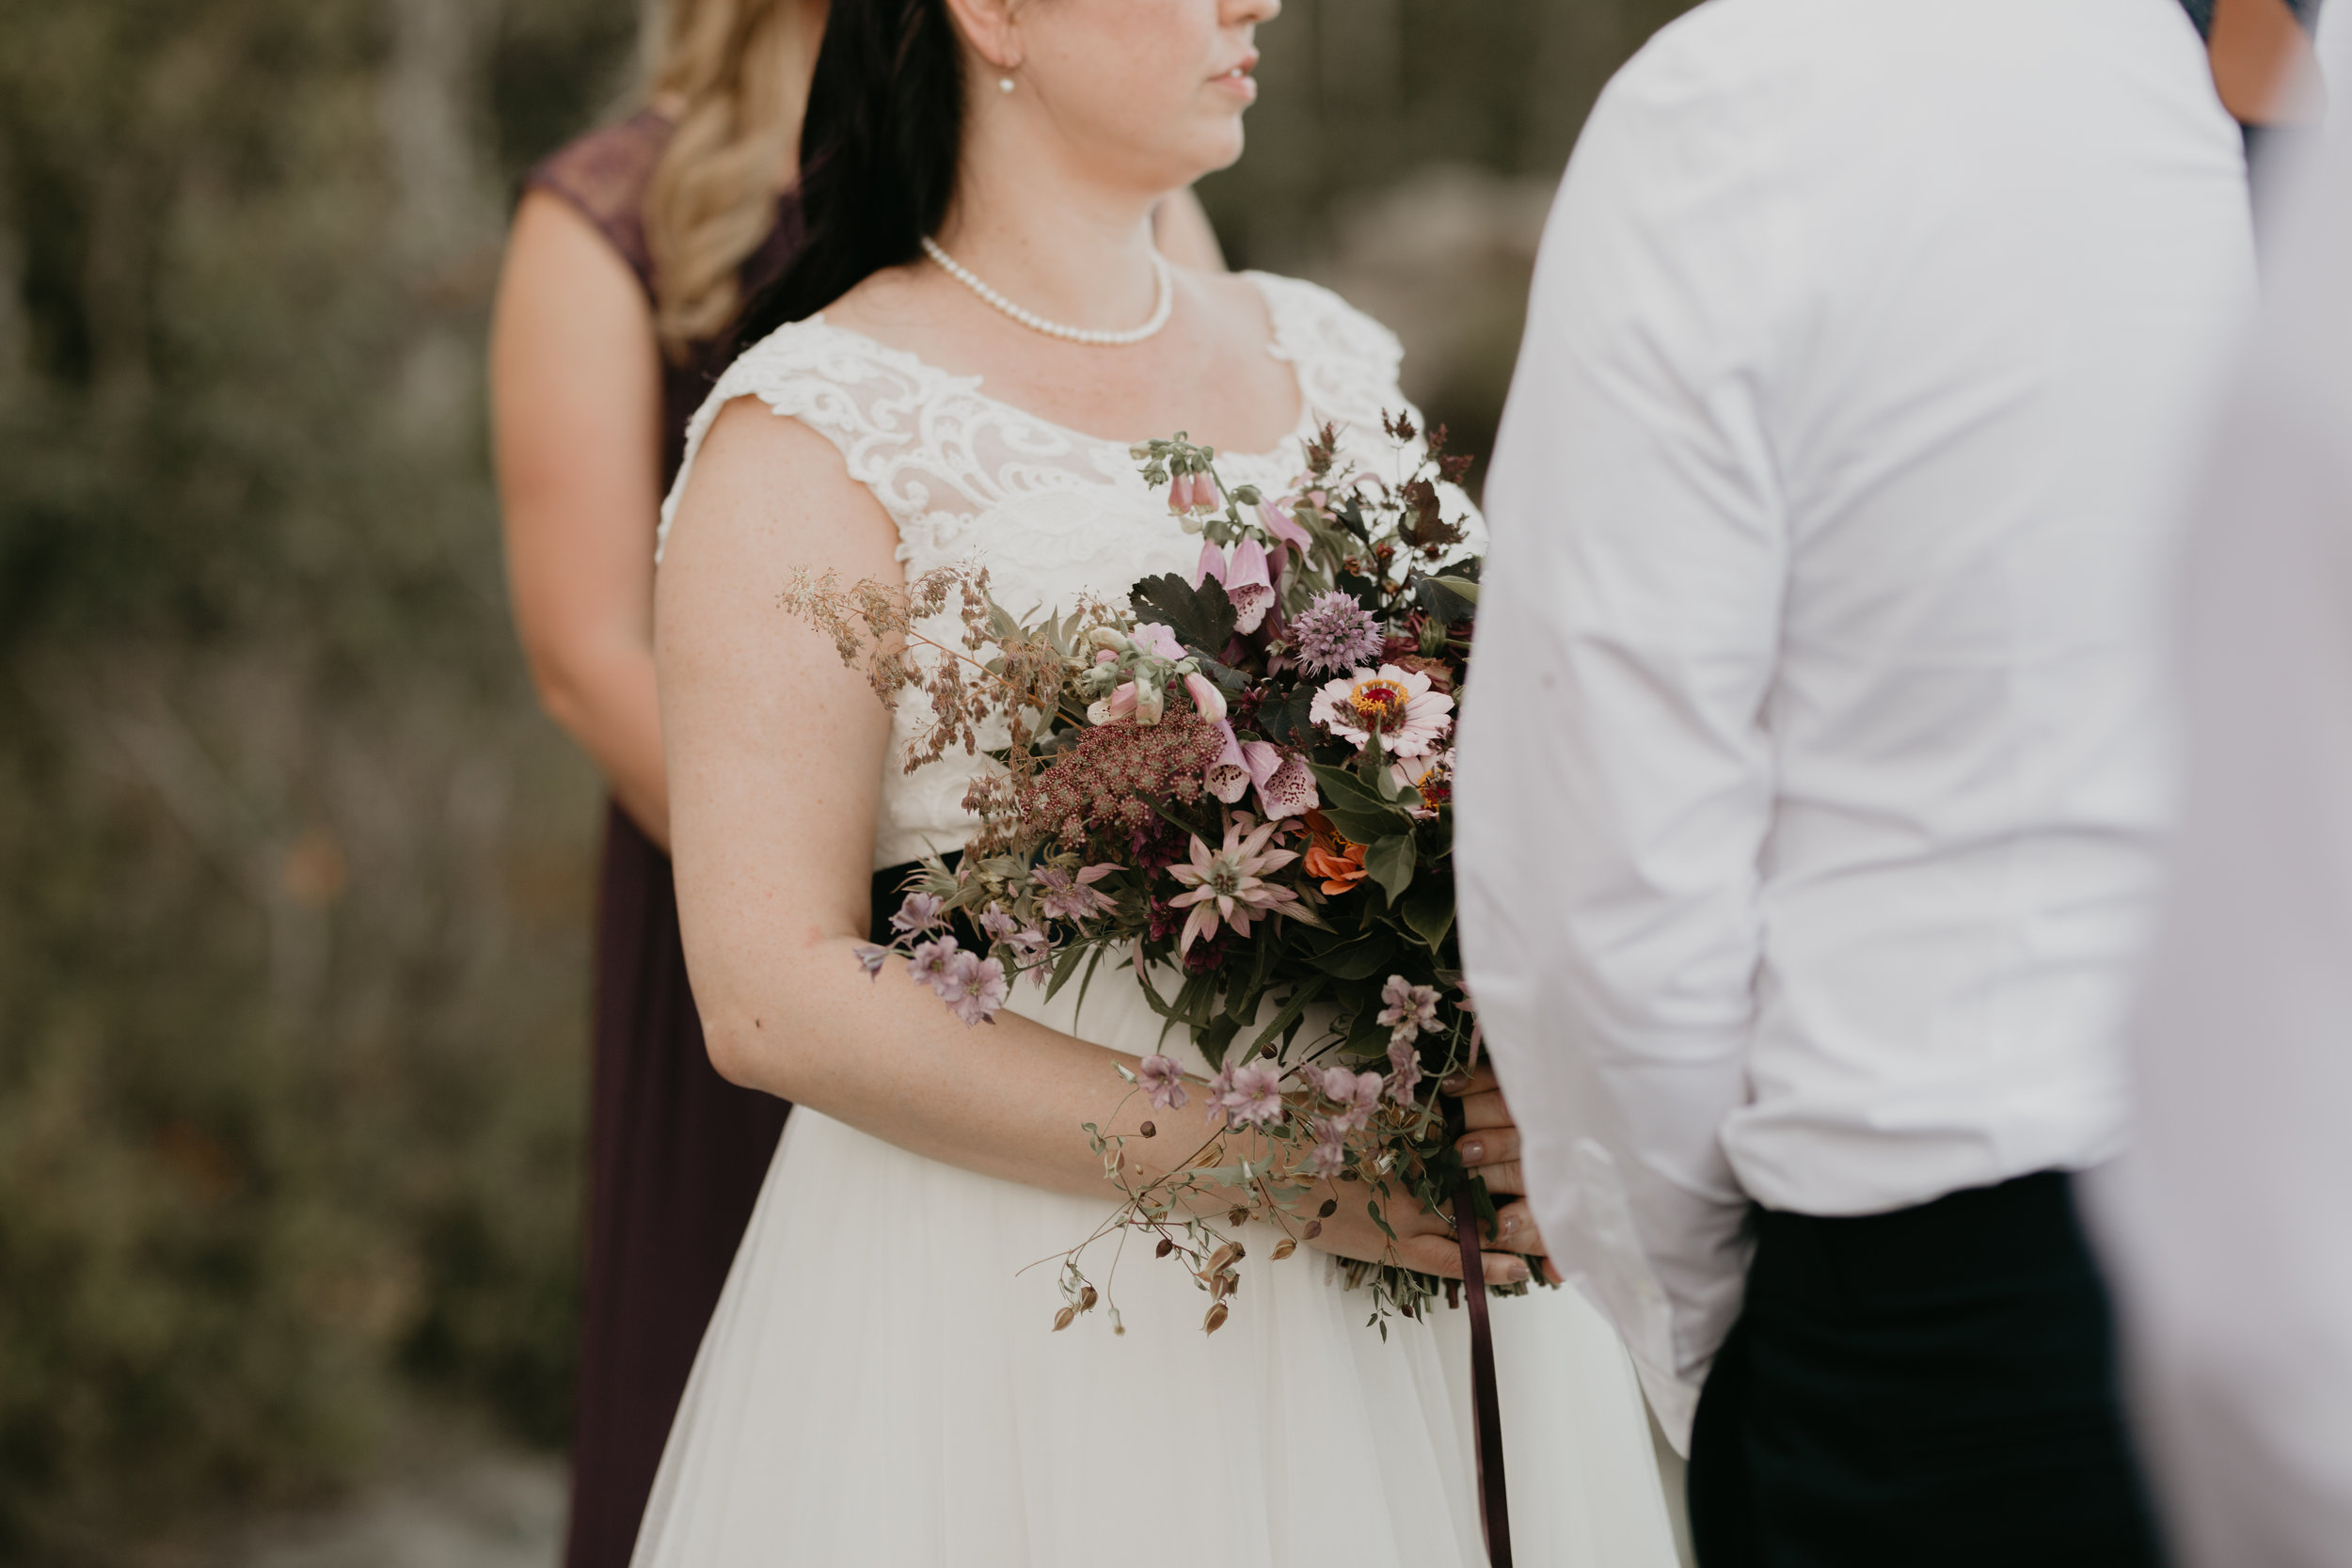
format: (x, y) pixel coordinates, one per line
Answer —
(676, 1154)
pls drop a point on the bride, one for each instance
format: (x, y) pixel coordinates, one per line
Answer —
(881, 1383)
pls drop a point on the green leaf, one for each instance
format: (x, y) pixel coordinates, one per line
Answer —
(1361, 959)
(1201, 616)
(1447, 600)
(1356, 807)
(1429, 913)
(1372, 1206)
(1391, 862)
(1290, 1013)
(1214, 1040)
(1067, 966)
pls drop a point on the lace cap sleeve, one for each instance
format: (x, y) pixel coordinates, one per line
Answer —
(603, 175)
(1346, 362)
(865, 399)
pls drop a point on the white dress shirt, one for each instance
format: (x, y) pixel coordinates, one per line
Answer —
(2231, 1221)
(1814, 769)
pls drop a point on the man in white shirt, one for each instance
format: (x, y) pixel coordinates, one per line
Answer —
(1814, 773)
(2227, 1218)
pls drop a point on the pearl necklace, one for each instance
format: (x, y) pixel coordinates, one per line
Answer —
(1036, 323)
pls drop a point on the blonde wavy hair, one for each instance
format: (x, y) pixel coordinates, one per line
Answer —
(735, 74)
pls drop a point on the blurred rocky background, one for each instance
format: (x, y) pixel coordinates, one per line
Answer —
(295, 880)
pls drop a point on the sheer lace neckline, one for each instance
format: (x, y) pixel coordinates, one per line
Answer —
(923, 372)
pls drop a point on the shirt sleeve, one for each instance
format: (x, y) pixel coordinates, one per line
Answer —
(1616, 780)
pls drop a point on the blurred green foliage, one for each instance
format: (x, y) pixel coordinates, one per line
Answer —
(297, 880)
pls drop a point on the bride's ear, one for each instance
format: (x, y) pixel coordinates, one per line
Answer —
(990, 31)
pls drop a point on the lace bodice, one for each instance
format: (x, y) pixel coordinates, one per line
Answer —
(1053, 513)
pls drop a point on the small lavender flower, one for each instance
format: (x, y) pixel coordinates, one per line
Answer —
(972, 985)
(1411, 1009)
(918, 912)
(870, 958)
(1405, 1075)
(1164, 1080)
(1356, 1094)
(1256, 1095)
(998, 924)
(1329, 1156)
(930, 961)
(1334, 634)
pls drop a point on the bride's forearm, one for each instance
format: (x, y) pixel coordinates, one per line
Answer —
(1008, 1098)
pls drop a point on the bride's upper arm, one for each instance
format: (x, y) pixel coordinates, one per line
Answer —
(776, 751)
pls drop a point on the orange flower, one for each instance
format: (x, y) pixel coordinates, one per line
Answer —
(1341, 870)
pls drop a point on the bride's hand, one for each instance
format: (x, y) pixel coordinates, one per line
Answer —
(1424, 1240)
(1490, 1147)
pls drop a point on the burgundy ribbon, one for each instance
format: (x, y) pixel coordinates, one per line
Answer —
(1494, 1503)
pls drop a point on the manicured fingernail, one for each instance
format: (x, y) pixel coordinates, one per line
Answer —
(1473, 1150)
(1455, 1086)
(1518, 1271)
(1510, 1222)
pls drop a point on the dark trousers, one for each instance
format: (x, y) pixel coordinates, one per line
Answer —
(1934, 1386)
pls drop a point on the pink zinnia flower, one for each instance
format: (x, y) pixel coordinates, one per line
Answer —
(1430, 777)
(1228, 883)
(1393, 704)
(1164, 1080)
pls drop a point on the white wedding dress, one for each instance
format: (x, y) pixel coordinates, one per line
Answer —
(880, 1384)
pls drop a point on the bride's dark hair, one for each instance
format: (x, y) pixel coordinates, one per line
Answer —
(879, 151)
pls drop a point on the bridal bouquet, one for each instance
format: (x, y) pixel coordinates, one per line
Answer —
(1237, 782)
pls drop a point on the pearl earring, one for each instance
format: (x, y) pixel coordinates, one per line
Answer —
(1004, 84)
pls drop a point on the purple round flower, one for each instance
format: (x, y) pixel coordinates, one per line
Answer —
(1334, 634)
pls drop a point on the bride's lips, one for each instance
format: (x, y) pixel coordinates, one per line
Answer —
(1238, 80)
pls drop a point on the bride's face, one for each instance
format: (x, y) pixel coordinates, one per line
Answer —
(1150, 91)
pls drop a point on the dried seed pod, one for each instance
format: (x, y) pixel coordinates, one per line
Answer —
(1238, 1217)
(1086, 1298)
(1216, 1320)
(1315, 1228)
(1168, 1244)
(1330, 1206)
(1221, 1258)
(1283, 1249)
(1148, 1131)
(1062, 1318)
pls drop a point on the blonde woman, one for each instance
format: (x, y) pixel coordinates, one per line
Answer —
(632, 251)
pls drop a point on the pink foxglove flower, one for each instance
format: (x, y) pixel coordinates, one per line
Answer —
(1163, 1079)
(1230, 776)
(1254, 1096)
(1180, 493)
(918, 912)
(1393, 704)
(1210, 564)
(1228, 883)
(1159, 641)
(972, 985)
(1120, 704)
(1207, 700)
(1284, 528)
(1071, 896)
(1289, 790)
(1249, 586)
